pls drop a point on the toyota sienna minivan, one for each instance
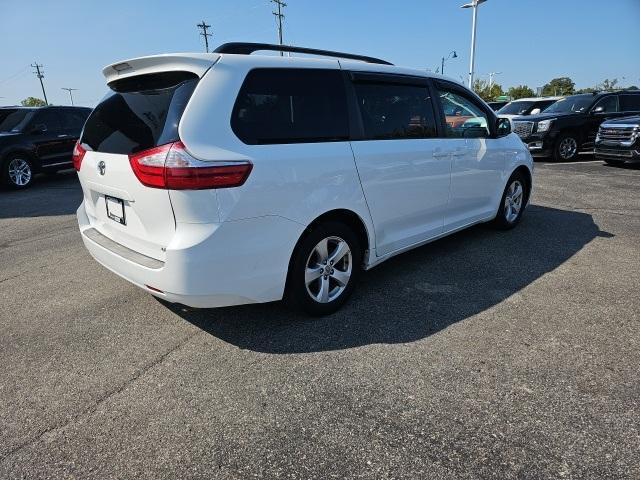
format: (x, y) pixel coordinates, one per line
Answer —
(229, 178)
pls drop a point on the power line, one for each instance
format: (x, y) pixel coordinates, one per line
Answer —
(203, 26)
(279, 16)
(70, 94)
(40, 75)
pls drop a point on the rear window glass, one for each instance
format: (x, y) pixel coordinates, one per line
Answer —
(284, 105)
(630, 103)
(140, 113)
(73, 120)
(392, 111)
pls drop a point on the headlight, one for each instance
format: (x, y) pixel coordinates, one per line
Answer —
(544, 125)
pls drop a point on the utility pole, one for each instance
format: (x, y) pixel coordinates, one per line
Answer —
(70, 94)
(40, 76)
(280, 16)
(203, 26)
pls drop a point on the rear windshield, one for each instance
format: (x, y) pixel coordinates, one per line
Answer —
(139, 113)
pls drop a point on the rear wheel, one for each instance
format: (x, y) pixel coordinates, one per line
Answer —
(325, 267)
(513, 202)
(566, 148)
(17, 172)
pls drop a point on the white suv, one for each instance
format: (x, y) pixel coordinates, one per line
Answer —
(229, 178)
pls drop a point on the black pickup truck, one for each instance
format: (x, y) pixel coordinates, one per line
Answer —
(571, 124)
(618, 141)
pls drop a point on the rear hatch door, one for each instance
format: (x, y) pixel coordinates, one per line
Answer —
(139, 113)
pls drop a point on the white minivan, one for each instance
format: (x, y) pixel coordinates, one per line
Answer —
(229, 178)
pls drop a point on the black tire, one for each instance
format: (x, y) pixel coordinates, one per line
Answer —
(10, 178)
(298, 295)
(505, 220)
(566, 147)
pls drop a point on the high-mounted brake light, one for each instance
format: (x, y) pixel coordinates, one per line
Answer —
(170, 166)
(78, 155)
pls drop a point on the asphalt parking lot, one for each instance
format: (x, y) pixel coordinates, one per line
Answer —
(483, 355)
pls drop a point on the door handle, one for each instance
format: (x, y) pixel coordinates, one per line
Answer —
(63, 136)
(459, 152)
(440, 153)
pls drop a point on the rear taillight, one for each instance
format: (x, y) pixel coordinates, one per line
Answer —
(78, 155)
(171, 166)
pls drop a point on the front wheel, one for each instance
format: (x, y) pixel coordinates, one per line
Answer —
(566, 148)
(17, 172)
(325, 267)
(513, 202)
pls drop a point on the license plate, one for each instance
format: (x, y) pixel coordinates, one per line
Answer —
(115, 209)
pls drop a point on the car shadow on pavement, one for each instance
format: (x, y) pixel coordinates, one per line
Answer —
(44, 197)
(415, 294)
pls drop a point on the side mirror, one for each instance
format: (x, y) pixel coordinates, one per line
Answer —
(535, 111)
(503, 127)
(598, 109)
(38, 128)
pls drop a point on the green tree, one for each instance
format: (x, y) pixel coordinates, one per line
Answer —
(481, 87)
(521, 91)
(559, 86)
(587, 90)
(32, 102)
(608, 85)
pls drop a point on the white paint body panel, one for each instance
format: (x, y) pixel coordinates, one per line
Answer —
(232, 246)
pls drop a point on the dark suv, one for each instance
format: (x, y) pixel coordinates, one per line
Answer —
(618, 141)
(571, 124)
(36, 140)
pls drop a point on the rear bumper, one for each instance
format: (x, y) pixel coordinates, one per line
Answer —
(206, 265)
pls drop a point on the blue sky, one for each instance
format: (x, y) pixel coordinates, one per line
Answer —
(530, 41)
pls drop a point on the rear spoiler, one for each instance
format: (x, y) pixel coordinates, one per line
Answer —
(197, 63)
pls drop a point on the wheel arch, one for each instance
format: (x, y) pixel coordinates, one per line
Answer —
(524, 170)
(342, 215)
(5, 155)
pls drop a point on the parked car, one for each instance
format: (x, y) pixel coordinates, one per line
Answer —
(618, 141)
(36, 140)
(526, 106)
(570, 125)
(495, 106)
(229, 178)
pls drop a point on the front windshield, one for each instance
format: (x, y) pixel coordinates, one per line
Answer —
(573, 104)
(516, 108)
(13, 120)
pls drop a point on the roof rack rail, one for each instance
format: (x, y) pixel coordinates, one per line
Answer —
(241, 48)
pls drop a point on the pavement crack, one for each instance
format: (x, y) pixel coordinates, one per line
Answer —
(96, 404)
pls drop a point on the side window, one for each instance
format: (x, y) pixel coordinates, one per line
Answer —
(609, 104)
(391, 111)
(630, 103)
(464, 118)
(73, 120)
(49, 119)
(285, 105)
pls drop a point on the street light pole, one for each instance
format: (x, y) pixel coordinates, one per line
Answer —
(474, 4)
(70, 94)
(452, 54)
(491, 75)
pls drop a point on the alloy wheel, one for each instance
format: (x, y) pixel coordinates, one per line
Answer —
(19, 172)
(568, 148)
(328, 269)
(513, 201)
